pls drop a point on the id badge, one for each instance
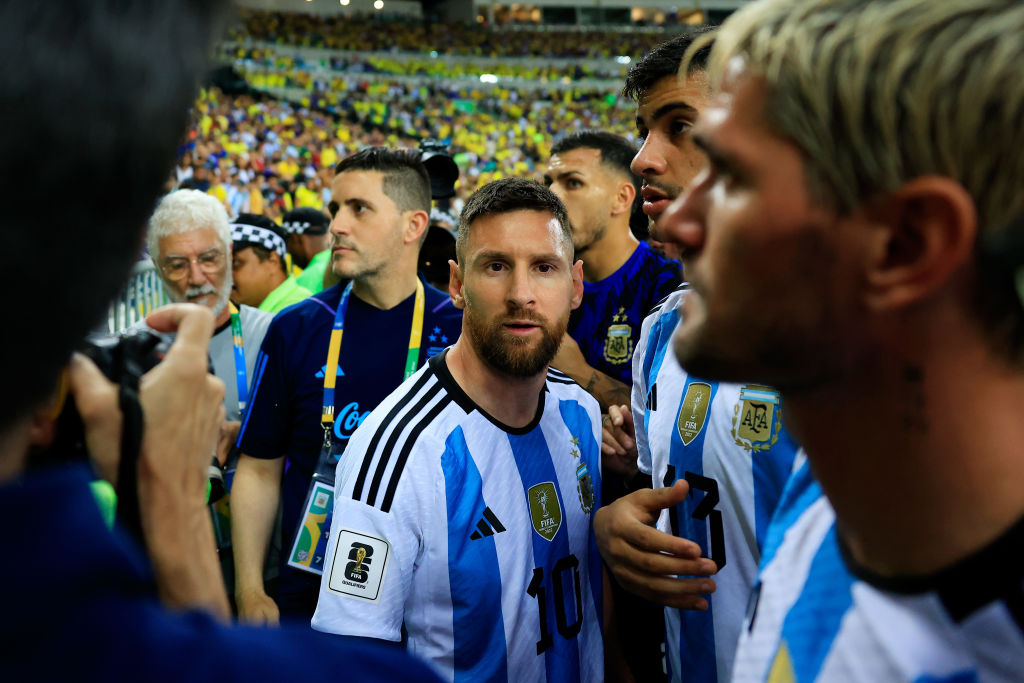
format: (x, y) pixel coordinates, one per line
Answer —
(310, 545)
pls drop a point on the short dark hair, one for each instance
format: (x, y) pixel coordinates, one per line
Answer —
(61, 130)
(664, 60)
(616, 153)
(262, 253)
(505, 196)
(405, 180)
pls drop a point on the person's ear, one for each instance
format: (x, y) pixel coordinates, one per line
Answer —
(455, 285)
(416, 225)
(577, 284)
(921, 235)
(625, 193)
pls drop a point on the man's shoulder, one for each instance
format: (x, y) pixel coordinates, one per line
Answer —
(563, 387)
(254, 321)
(439, 304)
(318, 309)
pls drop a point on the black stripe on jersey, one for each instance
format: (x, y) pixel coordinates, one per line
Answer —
(557, 373)
(364, 469)
(559, 380)
(389, 446)
(389, 495)
(681, 288)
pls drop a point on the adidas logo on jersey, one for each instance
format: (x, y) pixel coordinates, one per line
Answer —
(488, 525)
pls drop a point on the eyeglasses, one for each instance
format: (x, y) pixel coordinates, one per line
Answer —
(177, 268)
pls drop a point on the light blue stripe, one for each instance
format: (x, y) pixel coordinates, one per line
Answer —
(576, 419)
(477, 621)
(766, 396)
(771, 472)
(799, 494)
(696, 629)
(813, 622)
(261, 365)
(658, 339)
(533, 460)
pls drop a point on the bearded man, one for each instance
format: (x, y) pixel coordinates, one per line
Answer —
(463, 505)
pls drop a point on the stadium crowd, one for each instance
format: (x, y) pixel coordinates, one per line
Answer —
(709, 378)
(371, 34)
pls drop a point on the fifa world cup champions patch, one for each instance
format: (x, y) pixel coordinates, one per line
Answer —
(693, 411)
(359, 564)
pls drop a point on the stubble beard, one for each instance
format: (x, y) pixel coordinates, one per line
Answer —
(510, 355)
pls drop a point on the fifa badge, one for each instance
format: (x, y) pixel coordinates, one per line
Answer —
(693, 412)
(545, 512)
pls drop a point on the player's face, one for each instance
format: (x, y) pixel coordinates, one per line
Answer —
(587, 189)
(195, 268)
(770, 268)
(366, 226)
(668, 159)
(517, 286)
(253, 279)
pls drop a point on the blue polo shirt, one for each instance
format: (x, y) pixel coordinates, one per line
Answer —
(285, 405)
(607, 323)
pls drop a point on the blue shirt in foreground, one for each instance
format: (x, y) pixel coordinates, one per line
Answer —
(80, 605)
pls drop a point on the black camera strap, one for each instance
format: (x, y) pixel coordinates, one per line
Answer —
(128, 513)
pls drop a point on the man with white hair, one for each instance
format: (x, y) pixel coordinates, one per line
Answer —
(189, 240)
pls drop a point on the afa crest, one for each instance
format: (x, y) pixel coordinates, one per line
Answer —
(585, 487)
(757, 418)
(618, 345)
(545, 512)
(693, 411)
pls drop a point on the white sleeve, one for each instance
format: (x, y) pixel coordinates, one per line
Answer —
(372, 554)
(639, 397)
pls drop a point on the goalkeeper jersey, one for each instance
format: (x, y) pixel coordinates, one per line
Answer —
(471, 537)
(727, 441)
(816, 616)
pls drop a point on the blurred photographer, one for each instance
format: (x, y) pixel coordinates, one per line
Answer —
(69, 586)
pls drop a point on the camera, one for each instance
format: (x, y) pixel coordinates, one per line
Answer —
(441, 168)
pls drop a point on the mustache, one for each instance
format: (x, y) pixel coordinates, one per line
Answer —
(670, 190)
(202, 290)
(339, 242)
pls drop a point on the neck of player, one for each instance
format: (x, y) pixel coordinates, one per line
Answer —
(385, 290)
(918, 447)
(510, 400)
(605, 256)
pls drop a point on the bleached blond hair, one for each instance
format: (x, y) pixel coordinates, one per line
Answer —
(876, 93)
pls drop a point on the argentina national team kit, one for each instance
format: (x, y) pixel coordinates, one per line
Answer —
(816, 616)
(727, 442)
(285, 406)
(471, 538)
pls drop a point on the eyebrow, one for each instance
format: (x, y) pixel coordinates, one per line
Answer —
(495, 255)
(563, 174)
(668, 108)
(202, 253)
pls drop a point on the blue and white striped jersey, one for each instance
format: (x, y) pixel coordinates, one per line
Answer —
(472, 537)
(813, 619)
(727, 441)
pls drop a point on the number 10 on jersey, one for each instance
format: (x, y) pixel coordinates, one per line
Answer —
(538, 589)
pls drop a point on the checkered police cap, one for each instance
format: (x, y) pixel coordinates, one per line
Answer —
(268, 239)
